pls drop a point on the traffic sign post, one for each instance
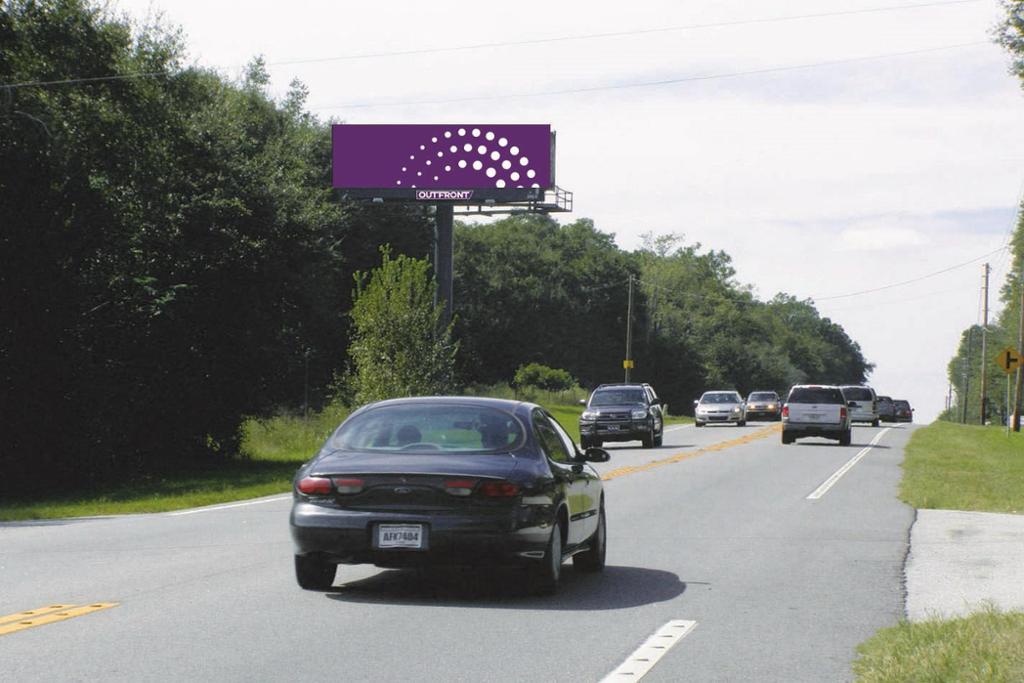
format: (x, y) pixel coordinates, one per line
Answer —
(1008, 359)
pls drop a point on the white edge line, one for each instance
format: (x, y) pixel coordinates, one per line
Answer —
(672, 429)
(214, 508)
(831, 481)
(643, 659)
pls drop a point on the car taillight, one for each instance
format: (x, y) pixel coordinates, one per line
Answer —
(785, 411)
(842, 413)
(314, 486)
(348, 486)
(499, 489)
(460, 487)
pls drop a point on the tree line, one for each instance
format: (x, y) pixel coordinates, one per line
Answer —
(173, 260)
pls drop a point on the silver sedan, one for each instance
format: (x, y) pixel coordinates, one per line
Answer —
(720, 407)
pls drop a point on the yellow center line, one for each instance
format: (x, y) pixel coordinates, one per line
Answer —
(686, 455)
(48, 615)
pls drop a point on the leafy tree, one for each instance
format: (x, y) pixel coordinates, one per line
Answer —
(399, 347)
(543, 377)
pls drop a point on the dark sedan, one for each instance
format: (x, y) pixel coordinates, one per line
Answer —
(902, 411)
(449, 481)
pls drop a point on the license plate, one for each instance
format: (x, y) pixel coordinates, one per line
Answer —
(400, 536)
(815, 417)
(612, 428)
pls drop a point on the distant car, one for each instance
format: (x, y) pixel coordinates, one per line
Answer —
(623, 412)
(449, 481)
(902, 411)
(816, 410)
(764, 405)
(886, 410)
(719, 407)
(863, 404)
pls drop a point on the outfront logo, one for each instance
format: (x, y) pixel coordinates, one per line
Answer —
(444, 194)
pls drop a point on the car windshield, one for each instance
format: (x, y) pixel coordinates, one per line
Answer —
(816, 395)
(761, 396)
(617, 397)
(721, 397)
(857, 393)
(425, 427)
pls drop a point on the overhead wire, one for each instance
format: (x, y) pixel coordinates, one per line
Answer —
(514, 43)
(611, 34)
(644, 84)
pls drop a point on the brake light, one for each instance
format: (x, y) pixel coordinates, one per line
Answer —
(460, 487)
(314, 486)
(348, 486)
(499, 489)
(785, 411)
(842, 413)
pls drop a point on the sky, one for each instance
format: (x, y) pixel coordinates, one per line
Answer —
(828, 147)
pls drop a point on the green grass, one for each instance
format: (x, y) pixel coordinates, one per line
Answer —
(950, 466)
(987, 646)
(272, 449)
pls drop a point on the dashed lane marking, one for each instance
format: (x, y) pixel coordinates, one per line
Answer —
(643, 659)
(686, 455)
(831, 481)
(48, 615)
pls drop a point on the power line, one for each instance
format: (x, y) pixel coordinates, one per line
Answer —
(610, 34)
(94, 79)
(907, 282)
(648, 84)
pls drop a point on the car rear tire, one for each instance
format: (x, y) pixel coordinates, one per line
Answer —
(787, 438)
(876, 423)
(314, 574)
(845, 438)
(741, 423)
(547, 574)
(593, 560)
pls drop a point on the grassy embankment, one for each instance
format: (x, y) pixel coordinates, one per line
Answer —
(955, 467)
(272, 450)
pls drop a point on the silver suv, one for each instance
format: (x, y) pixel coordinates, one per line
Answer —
(863, 404)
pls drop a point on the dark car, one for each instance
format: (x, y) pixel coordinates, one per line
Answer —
(623, 412)
(902, 412)
(449, 481)
(764, 405)
(886, 409)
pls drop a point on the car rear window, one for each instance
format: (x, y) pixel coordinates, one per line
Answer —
(428, 428)
(816, 395)
(901, 404)
(617, 397)
(857, 393)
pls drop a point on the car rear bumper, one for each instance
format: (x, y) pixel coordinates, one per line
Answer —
(797, 430)
(347, 536)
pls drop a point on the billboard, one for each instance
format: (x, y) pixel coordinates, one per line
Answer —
(461, 163)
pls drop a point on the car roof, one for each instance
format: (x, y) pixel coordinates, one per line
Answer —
(508, 405)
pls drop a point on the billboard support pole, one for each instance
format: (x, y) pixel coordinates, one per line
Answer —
(444, 256)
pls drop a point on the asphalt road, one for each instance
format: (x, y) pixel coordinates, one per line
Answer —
(715, 531)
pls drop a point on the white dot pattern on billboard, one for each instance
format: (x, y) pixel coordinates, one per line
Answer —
(468, 149)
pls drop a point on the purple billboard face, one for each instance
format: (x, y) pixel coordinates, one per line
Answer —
(413, 160)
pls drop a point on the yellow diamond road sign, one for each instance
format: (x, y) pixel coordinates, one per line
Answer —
(1008, 359)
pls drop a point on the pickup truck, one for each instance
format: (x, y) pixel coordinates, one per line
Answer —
(815, 410)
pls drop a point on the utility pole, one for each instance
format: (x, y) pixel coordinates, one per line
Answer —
(984, 334)
(444, 257)
(629, 330)
(1020, 346)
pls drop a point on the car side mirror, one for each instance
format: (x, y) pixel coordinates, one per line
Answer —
(583, 401)
(696, 401)
(595, 454)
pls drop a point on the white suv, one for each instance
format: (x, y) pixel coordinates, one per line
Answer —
(863, 404)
